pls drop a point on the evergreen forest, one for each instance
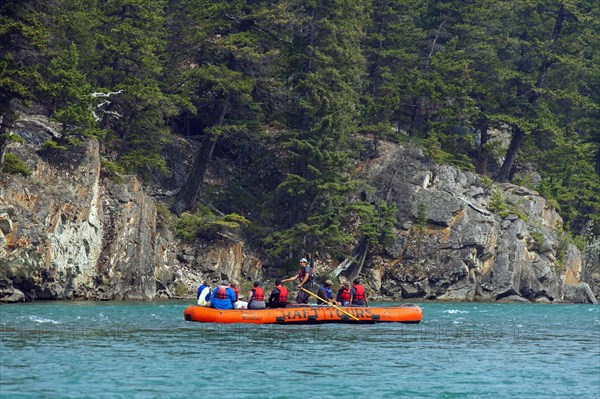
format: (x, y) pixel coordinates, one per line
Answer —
(282, 95)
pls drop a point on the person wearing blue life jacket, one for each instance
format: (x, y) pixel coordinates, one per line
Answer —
(358, 294)
(223, 297)
(203, 295)
(305, 281)
(325, 295)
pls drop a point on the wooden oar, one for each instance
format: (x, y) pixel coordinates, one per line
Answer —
(329, 303)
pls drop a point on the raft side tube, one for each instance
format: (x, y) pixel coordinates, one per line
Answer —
(306, 315)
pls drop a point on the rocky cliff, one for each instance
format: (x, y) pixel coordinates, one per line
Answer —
(69, 232)
(464, 238)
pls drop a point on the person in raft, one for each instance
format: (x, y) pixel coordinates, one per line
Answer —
(203, 296)
(238, 304)
(343, 295)
(358, 294)
(325, 295)
(278, 297)
(305, 280)
(223, 296)
(257, 297)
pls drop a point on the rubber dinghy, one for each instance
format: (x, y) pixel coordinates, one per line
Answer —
(307, 314)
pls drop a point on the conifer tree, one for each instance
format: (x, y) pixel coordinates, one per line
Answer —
(567, 141)
(228, 78)
(326, 72)
(395, 50)
(132, 39)
(538, 41)
(72, 96)
(221, 72)
(23, 39)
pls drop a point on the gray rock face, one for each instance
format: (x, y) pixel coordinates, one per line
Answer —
(67, 233)
(580, 293)
(126, 265)
(464, 250)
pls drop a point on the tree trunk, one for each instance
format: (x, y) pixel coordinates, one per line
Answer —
(3, 141)
(518, 134)
(353, 265)
(483, 155)
(598, 161)
(363, 249)
(7, 121)
(193, 186)
(548, 61)
(515, 143)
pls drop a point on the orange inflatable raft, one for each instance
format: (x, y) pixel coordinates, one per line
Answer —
(308, 314)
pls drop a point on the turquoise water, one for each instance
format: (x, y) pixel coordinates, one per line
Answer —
(147, 350)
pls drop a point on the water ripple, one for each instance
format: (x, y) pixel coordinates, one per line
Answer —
(146, 350)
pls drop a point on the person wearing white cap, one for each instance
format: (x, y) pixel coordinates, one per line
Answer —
(305, 280)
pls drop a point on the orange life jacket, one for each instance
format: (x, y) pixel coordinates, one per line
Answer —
(221, 292)
(283, 293)
(259, 294)
(360, 293)
(344, 294)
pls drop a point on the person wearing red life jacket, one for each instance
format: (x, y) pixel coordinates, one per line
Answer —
(238, 304)
(343, 295)
(236, 290)
(305, 280)
(257, 297)
(279, 295)
(223, 297)
(358, 294)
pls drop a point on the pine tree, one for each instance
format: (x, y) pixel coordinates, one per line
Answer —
(23, 39)
(228, 80)
(72, 96)
(537, 47)
(567, 142)
(132, 39)
(326, 72)
(395, 49)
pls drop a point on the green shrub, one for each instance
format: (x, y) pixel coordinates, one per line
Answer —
(487, 182)
(421, 215)
(553, 203)
(205, 224)
(431, 148)
(538, 237)
(180, 289)
(462, 161)
(497, 204)
(525, 181)
(145, 164)
(15, 138)
(516, 211)
(53, 145)
(112, 169)
(13, 165)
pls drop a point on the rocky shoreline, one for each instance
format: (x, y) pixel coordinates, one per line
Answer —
(70, 232)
